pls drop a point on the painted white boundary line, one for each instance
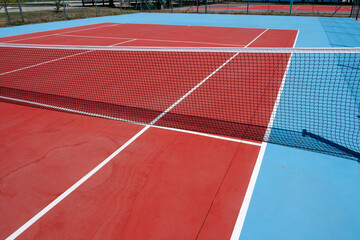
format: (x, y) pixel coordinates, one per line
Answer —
(256, 37)
(126, 120)
(54, 60)
(67, 109)
(245, 205)
(277, 102)
(246, 202)
(193, 89)
(131, 40)
(210, 135)
(155, 40)
(73, 187)
(248, 195)
(42, 63)
(58, 59)
(79, 30)
(161, 40)
(296, 38)
(97, 168)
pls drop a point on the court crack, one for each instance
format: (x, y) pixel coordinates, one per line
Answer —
(39, 159)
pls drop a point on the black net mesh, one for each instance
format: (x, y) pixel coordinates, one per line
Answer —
(304, 98)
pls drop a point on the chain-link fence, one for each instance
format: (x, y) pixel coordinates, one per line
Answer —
(355, 10)
(274, 7)
(15, 12)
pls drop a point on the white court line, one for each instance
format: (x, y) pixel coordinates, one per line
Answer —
(42, 63)
(73, 187)
(68, 110)
(131, 40)
(256, 38)
(58, 59)
(246, 202)
(126, 120)
(210, 135)
(156, 40)
(296, 38)
(192, 90)
(248, 195)
(79, 30)
(97, 168)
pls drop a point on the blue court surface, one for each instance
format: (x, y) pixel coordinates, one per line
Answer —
(298, 194)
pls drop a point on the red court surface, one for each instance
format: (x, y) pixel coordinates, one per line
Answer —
(125, 34)
(270, 7)
(163, 183)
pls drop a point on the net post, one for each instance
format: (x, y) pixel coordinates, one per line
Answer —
(197, 6)
(96, 8)
(290, 9)
(247, 7)
(206, 3)
(21, 13)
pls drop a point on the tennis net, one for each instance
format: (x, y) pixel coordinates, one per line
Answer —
(304, 98)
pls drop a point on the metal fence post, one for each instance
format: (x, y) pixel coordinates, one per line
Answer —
(64, 6)
(6, 12)
(355, 9)
(21, 13)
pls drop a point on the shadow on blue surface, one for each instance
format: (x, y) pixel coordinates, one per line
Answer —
(321, 94)
(341, 32)
(339, 147)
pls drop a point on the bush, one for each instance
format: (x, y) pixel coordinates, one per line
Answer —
(57, 5)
